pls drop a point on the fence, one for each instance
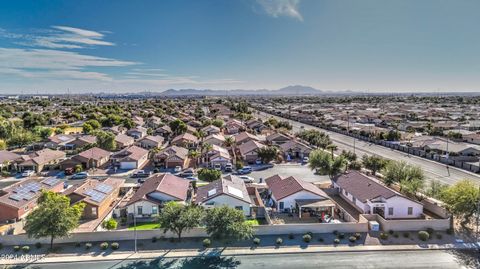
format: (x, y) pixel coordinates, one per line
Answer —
(410, 225)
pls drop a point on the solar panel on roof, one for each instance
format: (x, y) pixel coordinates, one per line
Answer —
(90, 192)
(51, 181)
(33, 186)
(28, 196)
(98, 197)
(16, 197)
(104, 188)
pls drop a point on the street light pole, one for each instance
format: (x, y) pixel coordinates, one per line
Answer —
(135, 226)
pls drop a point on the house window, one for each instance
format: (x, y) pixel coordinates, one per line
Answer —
(94, 211)
(239, 208)
(139, 210)
(154, 210)
(354, 200)
(281, 205)
(410, 211)
(390, 211)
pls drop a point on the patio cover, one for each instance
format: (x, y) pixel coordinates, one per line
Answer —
(314, 203)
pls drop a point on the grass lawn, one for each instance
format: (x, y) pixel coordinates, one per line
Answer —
(199, 184)
(256, 222)
(146, 226)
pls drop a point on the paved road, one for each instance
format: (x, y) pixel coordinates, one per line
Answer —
(403, 259)
(433, 170)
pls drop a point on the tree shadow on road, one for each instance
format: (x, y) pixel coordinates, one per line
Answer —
(203, 262)
(470, 258)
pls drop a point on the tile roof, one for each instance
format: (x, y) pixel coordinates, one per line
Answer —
(284, 187)
(168, 184)
(230, 185)
(250, 146)
(363, 187)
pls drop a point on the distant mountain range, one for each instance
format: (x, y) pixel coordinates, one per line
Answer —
(286, 91)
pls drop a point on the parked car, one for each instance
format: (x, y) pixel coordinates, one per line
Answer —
(247, 179)
(305, 160)
(177, 169)
(187, 173)
(245, 170)
(217, 166)
(228, 167)
(80, 175)
(192, 178)
(28, 173)
(258, 162)
(141, 174)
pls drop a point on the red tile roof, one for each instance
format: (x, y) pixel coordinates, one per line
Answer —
(168, 184)
(284, 187)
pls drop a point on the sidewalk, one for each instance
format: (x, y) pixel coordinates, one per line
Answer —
(129, 255)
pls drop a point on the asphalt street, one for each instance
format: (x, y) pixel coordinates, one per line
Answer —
(339, 260)
(433, 170)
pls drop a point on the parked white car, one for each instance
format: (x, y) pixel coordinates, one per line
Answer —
(247, 179)
(27, 173)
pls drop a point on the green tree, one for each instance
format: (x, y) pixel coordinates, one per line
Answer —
(178, 127)
(31, 120)
(332, 148)
(54, 217)
(227, 223)
(267, 154)
(396, 172)
(106, 140)
(230, 143)
(435, 189)
(218, 123)
(3, 144)
(374, 163)
(194, 154)
(128, 123)
(178, 218)
(323, 163)
(461, 200)
(110, 224)
(209, 175)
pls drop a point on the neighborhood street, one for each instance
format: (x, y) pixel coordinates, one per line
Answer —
(433, 170)
(374, 259)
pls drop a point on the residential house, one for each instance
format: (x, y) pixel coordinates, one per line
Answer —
(369, 196)
(83, 141)
(132, 157)
(214, 139)
(245, 137)
(155, 192)
(164, 131)
(248, 150)
(151, 142)
(172, 157)
(185, 140)
(8, 160)
(124, 141)
(60, 141)
(230, 191)
(294, 149)
(233, 126)
(90, 158)
(211, 129)
(277, 139)
(19, 199)
(38, 160)
(137, 132)
(99, 196)
(292, 194)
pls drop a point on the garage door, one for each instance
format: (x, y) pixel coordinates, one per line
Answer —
(128, 165)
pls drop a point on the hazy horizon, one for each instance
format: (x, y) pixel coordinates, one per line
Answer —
(368, 46)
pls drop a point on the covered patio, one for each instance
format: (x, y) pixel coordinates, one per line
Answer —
(323, 209)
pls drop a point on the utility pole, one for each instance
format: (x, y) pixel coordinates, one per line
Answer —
(135, 226)
(478, 218)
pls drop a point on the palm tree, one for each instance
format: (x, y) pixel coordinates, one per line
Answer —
(193, 154)
(230, 143)
(205, 148)
(332, 148)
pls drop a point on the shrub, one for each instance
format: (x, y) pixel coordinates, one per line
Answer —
(390, 231)
(307, 238)
(384, 236)
(115, 246)
(291, 236)
(16, 248)
(358, 235)
(1, 246)
(439, 236)
(406, 234)
(38, 245)
(279, 241)
(336, 241)
(450, 231)
(430, 231)
(341, 236)
(110, 224)
(88, 245)
(77, 244)
(396, 235)
(154, 239)
(25, 249)
(320, 239)
(256, 241)
(104, 245)
(335, 232)
(206, 242)
(423, 235)
(352, 239)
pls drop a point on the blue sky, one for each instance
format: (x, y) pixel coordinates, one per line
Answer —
(125, 46)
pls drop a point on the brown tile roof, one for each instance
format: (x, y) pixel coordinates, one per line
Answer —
(124, 139)
(230, 185)
(185, 136)
(91, 189)
(284, 187)
(244, 136)
(94, 153)
(168, 184)
(363, 187)
(180, 152)
(43, 156)
(250, 146)
(8, 156)
(132, 153)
